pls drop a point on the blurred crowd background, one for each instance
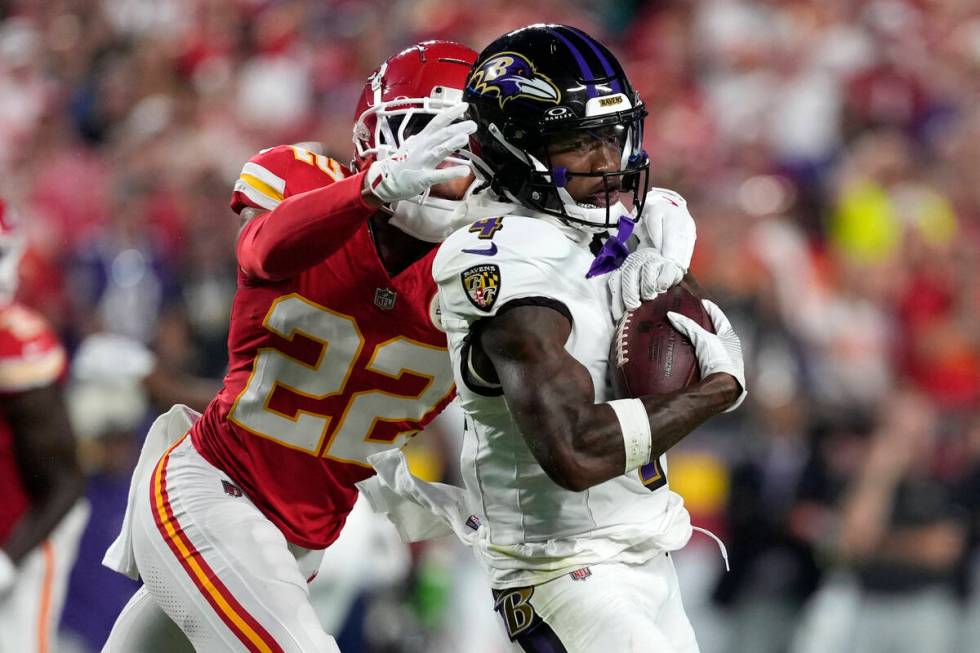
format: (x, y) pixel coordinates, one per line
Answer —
(828, 149)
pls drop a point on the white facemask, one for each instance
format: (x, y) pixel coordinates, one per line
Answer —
(434, 219)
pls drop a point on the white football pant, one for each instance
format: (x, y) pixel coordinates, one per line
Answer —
(30, 613)
(601, 609)
(219, 569)
(144, 626)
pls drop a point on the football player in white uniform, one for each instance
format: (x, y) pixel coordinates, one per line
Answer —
(567, 502)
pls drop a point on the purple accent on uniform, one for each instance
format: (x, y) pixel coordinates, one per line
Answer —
(535, 637)
(473, 522)
(635, 158)
(509, 84)
(490, 251)
(487, 227)
(559, 176)
(616, 87)
(614, 250)
(541, 639)
(587, 75)
(649, 472)
(652, 476)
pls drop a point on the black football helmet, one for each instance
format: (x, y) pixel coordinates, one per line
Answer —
(547, 82)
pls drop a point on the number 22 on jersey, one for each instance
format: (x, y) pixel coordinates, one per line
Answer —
(341, 344)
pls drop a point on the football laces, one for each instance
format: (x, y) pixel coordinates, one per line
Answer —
(622, 351)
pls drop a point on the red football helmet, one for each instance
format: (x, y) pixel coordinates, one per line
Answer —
(12, 245)
(400, 97)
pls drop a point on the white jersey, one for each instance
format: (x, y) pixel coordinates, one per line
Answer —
(531, 529)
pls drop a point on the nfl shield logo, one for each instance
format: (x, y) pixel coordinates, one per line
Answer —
(482, 285)
(581, 574)
(384, 298)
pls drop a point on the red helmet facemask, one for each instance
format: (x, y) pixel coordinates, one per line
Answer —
(398, 100)
(403, 94)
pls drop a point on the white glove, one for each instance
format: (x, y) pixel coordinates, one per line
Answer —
(717, 352)
(643, 275)
(8, 574)
(667, 226)
(413, 167)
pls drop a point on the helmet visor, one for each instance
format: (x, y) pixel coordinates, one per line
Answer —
(596, 165)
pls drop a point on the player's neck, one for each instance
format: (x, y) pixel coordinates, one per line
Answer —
(396, 249)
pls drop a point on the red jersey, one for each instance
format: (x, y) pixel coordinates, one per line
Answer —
(30, 357)
(326, 366)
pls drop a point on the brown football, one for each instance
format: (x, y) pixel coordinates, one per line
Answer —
(649, 356)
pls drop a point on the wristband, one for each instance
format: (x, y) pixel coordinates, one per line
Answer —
(8, 572)
(635, 424)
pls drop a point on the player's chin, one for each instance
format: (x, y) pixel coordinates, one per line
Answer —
(598, 200)
(607, 199)
(454, 189)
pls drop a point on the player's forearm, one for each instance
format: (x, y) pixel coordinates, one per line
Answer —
(551, 396)
(596, 451)
(303, 230)
(580, 452)
(580, 444)
(44, 449)
(584, 447)
(673, 416)
(46, 512)
(577, 442)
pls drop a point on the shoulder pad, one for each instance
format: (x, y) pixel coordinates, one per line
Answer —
(509, 237)
(279, 172)
(482, 267)
(30, 354)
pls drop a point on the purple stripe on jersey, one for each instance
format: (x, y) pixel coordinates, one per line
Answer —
(541, 639)
(616, 86)
(587, 75)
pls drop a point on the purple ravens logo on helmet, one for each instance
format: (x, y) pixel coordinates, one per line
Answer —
(509, 75)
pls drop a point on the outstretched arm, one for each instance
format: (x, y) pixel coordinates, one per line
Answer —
(302, 230)
(306, 228)
(578, 442)
(249, 213)
(45, 452)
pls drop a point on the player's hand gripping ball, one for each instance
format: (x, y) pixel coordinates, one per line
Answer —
(649, 356)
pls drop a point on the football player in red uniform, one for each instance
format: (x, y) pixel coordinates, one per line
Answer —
(42, 509)
(335, 352)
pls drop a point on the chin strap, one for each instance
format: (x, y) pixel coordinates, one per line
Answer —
(614, 250)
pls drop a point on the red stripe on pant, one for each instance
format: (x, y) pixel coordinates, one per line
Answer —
(245, 627)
